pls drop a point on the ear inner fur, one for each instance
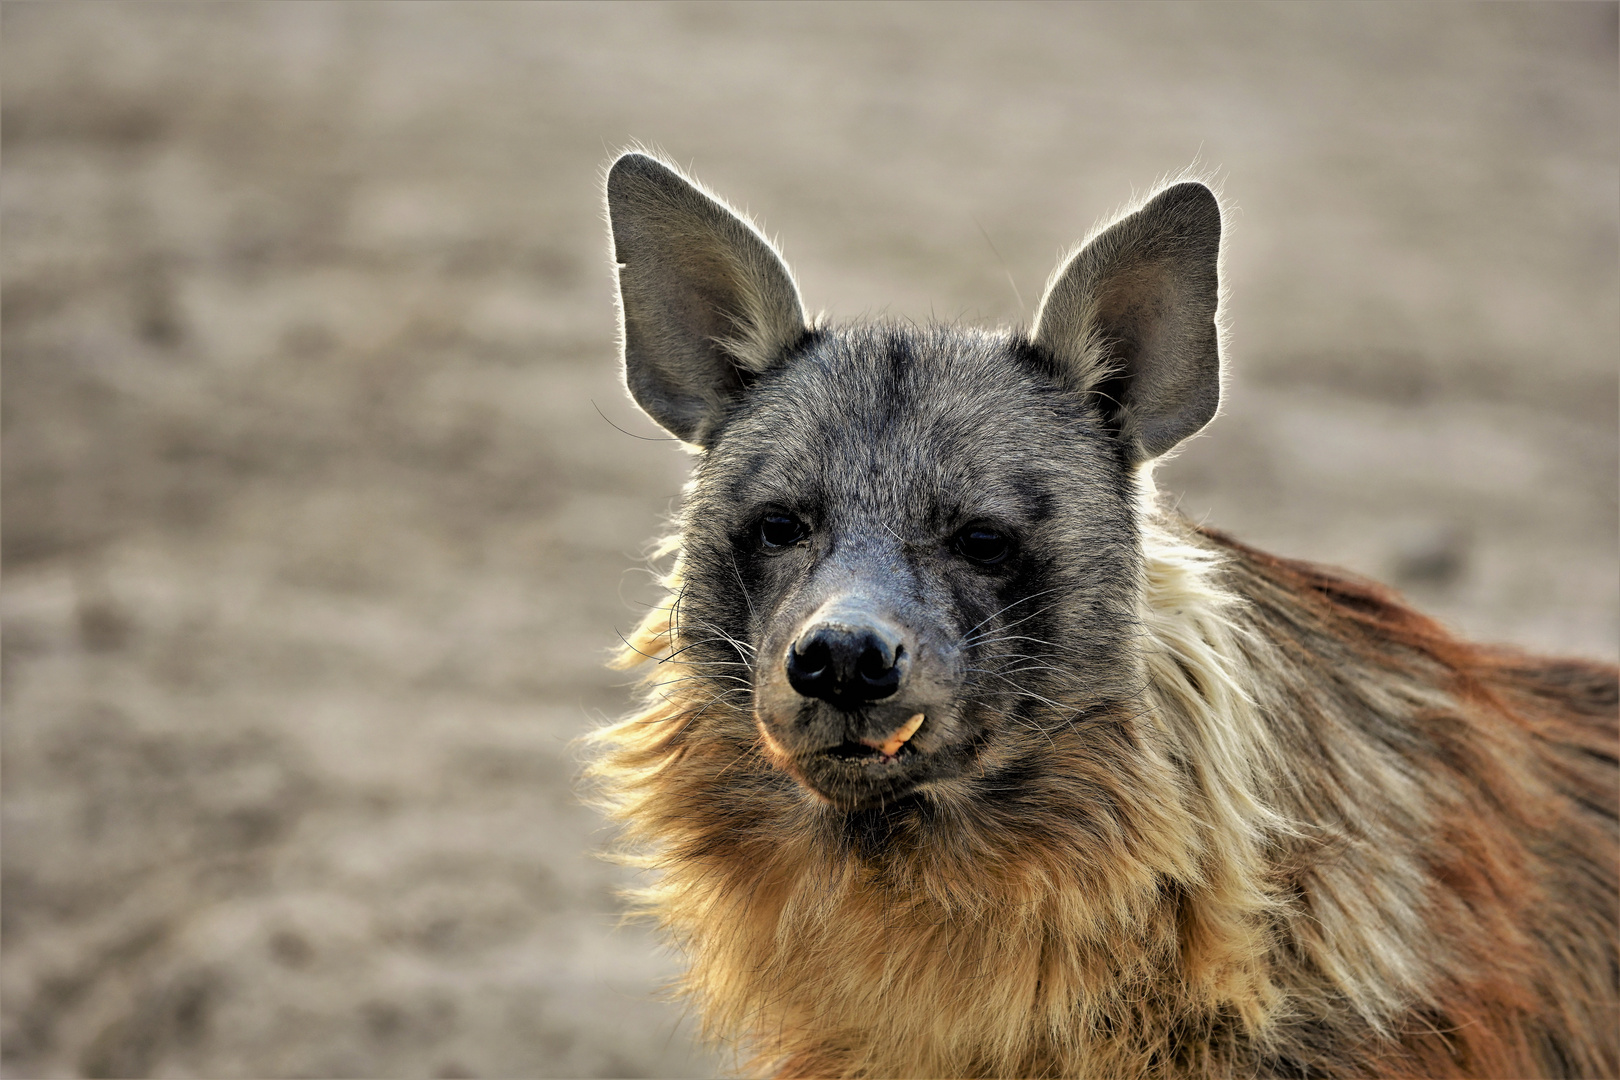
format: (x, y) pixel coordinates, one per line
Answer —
(704, 299)
(1133, 316)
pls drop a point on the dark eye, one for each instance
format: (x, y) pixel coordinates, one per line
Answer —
(982, 544)
(781, 530)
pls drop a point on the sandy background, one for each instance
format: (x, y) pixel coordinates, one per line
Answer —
(314, 537)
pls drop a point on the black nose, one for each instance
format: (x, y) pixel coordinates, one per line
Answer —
(847, 666)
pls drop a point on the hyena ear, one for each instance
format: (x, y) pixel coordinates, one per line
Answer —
(1131, 317)
(705, 301)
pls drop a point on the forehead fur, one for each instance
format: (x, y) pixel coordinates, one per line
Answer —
(907, 423)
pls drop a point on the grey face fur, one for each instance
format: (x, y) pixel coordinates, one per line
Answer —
(888, 522)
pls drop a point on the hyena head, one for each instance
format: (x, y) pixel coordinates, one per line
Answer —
(906, 553)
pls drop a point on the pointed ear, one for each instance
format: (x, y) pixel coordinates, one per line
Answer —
(705, 301)
(1131, 317)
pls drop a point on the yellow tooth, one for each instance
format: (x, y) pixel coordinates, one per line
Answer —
(891, 746)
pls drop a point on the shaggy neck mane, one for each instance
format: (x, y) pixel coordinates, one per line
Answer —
(1161, 888)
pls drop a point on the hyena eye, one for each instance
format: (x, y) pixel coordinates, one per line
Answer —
(781, 530)
(982, 544)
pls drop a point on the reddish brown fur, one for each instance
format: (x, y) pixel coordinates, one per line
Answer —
(1523, 861)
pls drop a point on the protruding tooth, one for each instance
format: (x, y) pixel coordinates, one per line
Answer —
(910, 729)
(891, 746)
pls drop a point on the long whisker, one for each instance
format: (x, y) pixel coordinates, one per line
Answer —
(742, 586)
(722, 632)
(708, 678)
(1057, 647)
(1023, 600)
(970, 637)
(727, 638)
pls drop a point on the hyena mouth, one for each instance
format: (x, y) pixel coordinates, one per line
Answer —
(858, 773)
(866, 754)
(854, 751)
(880, 751)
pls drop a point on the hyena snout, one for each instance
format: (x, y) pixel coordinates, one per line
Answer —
(848, 663)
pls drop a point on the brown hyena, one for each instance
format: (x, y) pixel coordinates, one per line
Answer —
(963, 756)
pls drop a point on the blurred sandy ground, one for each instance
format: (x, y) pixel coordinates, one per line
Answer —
(314, 538)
